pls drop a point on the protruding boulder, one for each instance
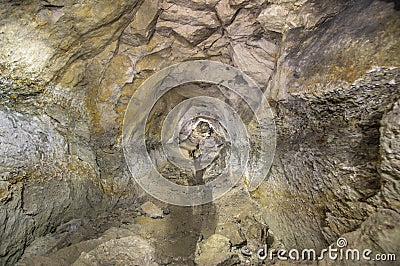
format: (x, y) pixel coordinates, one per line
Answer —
(215, 251)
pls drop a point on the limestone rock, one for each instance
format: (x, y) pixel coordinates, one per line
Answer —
(225, 11)
(69, 68)
(312, 13)
(244, 25)
(142, 27)
(255, 232)
(255, 58)
(379, 233)
(232, 232)
(310, 62)
(273, 18)
(193, 25)
(41, 179)
(151, 210)
(215, 251)
(59, 33)
(389, 150)
(195, 4)
(342, 209)
(131, 250)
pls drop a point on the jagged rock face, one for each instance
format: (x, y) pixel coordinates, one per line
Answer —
(69, 68)
(328, 159)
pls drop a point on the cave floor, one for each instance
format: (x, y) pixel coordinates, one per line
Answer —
(183, 235)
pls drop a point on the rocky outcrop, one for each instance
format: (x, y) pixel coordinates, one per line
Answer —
(335, 46)
(325, 165)
(42, 165)
(215, 250)
(46, 37)
(389, 163)
(49, 171)
(131, 250)
(331, 103)
(116, 246)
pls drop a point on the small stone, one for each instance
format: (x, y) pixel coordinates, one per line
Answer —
(151, 210)
(231, 231)
(166, 211)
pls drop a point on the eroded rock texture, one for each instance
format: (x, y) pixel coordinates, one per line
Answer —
(328, 168)
(328, 68)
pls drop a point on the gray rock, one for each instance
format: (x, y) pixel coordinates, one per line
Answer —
(69, 68)
(273, 18)
(131, 250)
(193, 25)
(390, 157)
(54, 47)
(215, 251)
(151, 210)
(232, 232)
(41, 184)
(256, 59)
(140, 30)
(353, 169)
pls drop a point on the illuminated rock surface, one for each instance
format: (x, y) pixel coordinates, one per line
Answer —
(69, 68)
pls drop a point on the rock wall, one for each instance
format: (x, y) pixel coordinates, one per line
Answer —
(327, 177)
(69, 68)
(48, 170)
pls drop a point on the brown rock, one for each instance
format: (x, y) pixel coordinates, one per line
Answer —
(232, 232)
(215, 251)
(193, 25)
(273, 18)
(151, 210)
(131, 250)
